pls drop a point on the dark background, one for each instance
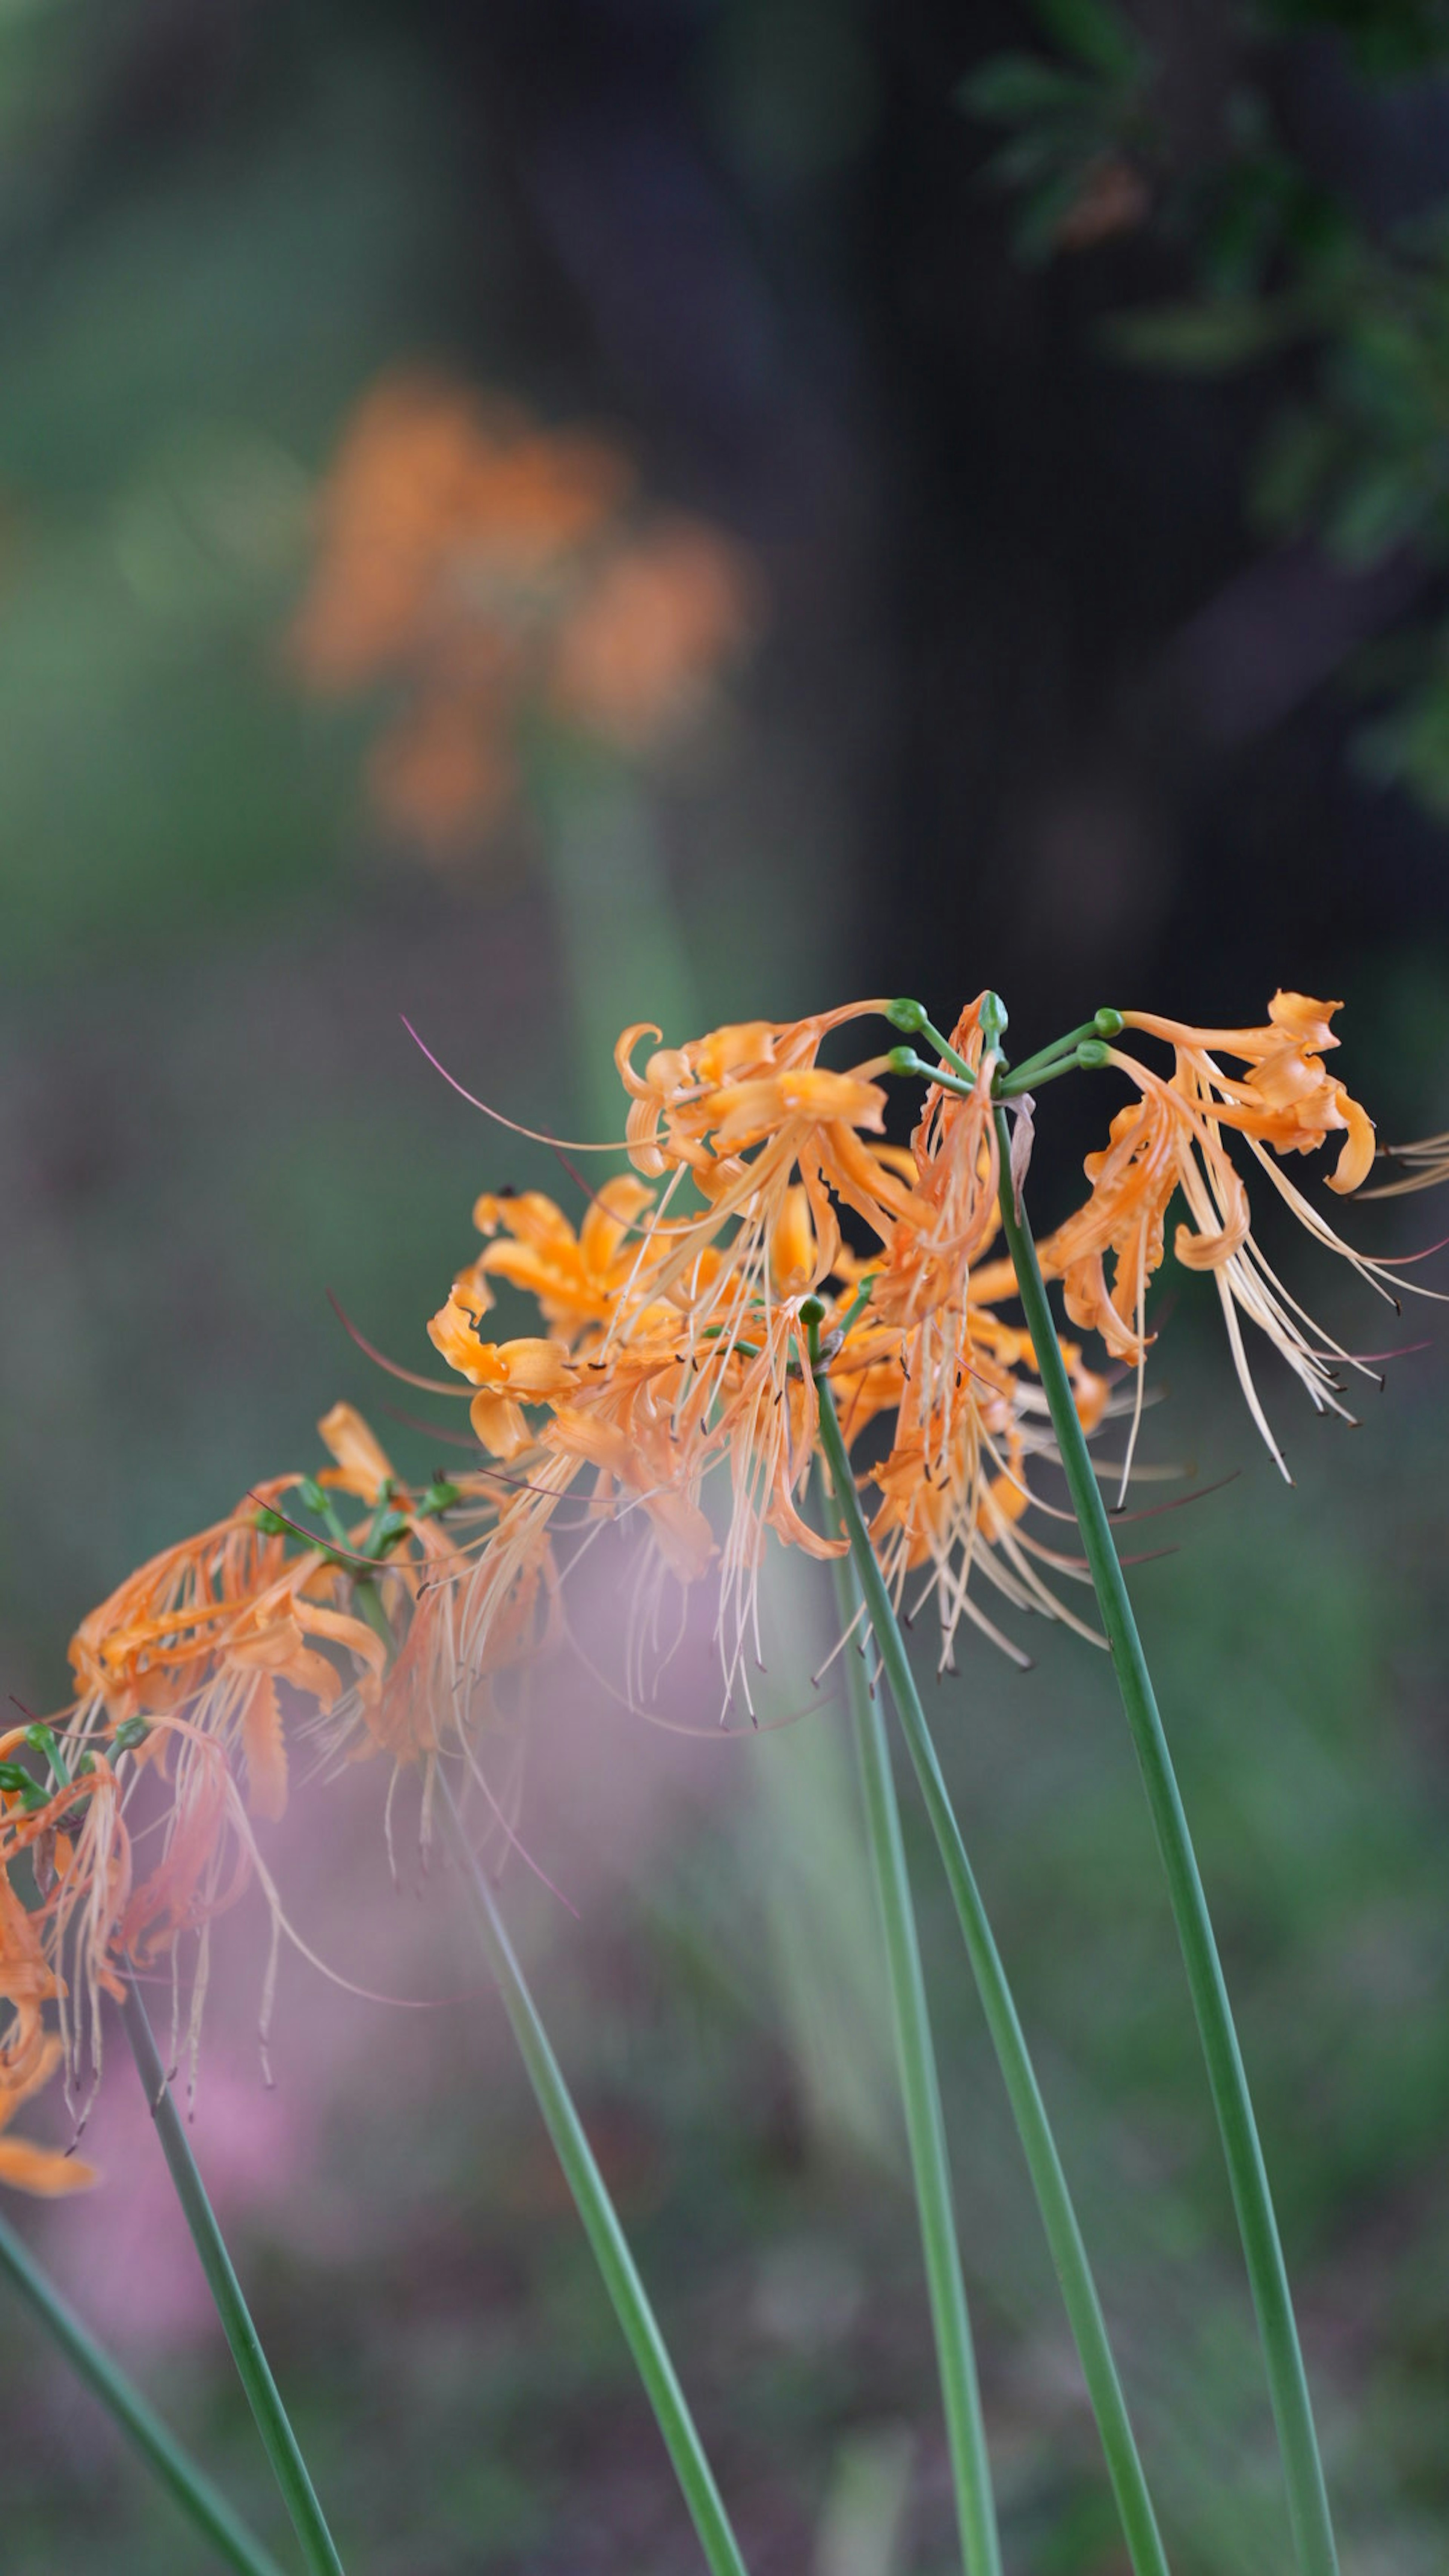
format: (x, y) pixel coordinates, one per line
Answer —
(1033, 706)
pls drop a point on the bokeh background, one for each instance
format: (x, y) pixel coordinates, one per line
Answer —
(543, 516)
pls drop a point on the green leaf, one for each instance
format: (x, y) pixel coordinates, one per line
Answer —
(1375, 512)
(1095, 33)
(1206, 339)
(1300, 453)
(1017, 86)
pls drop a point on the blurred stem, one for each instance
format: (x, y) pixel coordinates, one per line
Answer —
(925, 2125)
(280, 2442)
(1059, 2218)
(1247, 2173)
(618, 931)
(596, 2209)
(138, 2420)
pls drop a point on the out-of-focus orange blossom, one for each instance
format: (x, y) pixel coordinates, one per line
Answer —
(491, 569)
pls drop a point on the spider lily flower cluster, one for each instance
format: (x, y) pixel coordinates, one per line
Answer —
(190, 1678)
(762, 1198)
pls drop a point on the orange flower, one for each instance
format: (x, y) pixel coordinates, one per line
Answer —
(577, 1278)
(969, 1415)
(212, 1624)
(507, 1374)
(676, 1346)
(751, 1116)
(41, 2170)
(445, 771)
(1175, 1138)
(363, 1466)
(637, 651)
(956, 1168)
(436, 501)
(486, 564)
(1289, 1100)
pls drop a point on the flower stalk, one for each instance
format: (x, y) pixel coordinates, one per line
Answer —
(596, 2209)
(1059, 2218)
(925, 2125)
(1247, 2173)
(184, 2480)
(253, 2369)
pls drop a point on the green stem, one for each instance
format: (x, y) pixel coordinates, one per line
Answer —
(137, 2418)
(1247, 2173)
(925, 2126)
(1027, 1077)
(1064, 2236)
(1033, 1077)
(253, 2369)
(601, 2224)
(1035, 1068)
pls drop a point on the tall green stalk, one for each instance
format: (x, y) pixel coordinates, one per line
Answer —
(596, 2209)
(138, 2420)
(1059, 2218)
(1247, 2173)
(280, 2442)
(925, 2125)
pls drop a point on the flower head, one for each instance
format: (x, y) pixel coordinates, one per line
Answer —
(492, 568)
(1175, 1138)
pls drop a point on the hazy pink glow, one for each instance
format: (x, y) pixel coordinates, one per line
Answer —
(122, 2251)
(607, 1794)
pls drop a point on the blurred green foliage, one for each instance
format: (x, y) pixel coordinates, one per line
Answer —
(1284, 266)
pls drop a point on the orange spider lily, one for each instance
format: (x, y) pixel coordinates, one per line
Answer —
(750, 1116)
(1174, 1137)
(1288, 1100)
(214, 1624)
(490, 564)
(508, 1375)
(636, 654)
(956, 1168)
(578, 1277)
(25, 2167)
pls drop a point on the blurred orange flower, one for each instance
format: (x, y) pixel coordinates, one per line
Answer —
(490, 567)
(642, 642)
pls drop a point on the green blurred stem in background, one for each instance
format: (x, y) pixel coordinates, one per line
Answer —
(925, 2124)
(1064, 2236)
(1247, 2173)
(137, 2418)
(596, 2209)
(253, 2369)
